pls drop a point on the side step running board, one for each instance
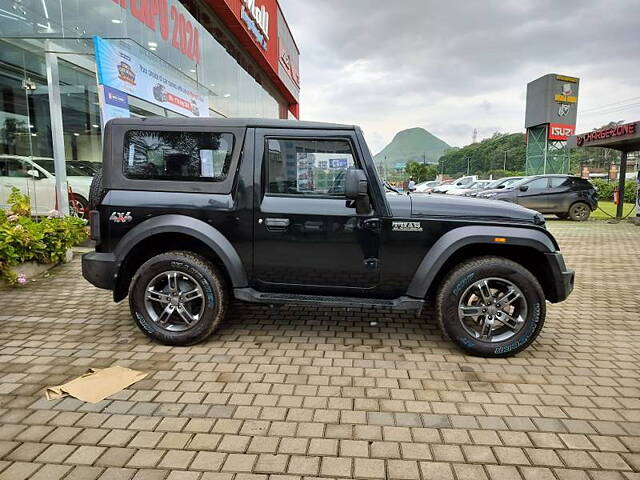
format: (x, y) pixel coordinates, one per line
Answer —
(400, 303)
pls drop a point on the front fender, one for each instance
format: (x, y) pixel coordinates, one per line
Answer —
(460, 237)
(193, 227)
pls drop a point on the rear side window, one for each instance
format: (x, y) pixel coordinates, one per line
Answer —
(189, 156)
(557, 182)
(582, 183)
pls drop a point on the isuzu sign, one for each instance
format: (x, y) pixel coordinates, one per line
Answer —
(256, 18)
(559, 131)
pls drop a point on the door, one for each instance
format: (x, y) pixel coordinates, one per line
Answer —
(534, 194)
(307, 236)
(560, 195)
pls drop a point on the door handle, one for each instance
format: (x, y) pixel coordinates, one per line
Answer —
(372, 224)
(276, 224)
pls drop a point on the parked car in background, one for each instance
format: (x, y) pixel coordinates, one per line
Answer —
(425, 187)
(34, 177)
(86, 166)
(461, 182)
(474, 187)
(498, 184)
(565, 196)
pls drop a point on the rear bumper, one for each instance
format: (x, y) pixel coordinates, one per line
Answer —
(100, 269)
(562, 278)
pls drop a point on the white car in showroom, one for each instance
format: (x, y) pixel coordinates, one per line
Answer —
(33, 176)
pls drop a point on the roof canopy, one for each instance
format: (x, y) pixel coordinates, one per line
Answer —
(625, 137)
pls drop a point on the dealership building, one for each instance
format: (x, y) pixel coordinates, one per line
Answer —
(67, 66)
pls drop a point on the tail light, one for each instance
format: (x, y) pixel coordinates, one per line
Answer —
(94, 225)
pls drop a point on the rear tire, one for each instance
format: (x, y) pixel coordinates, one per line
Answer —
(472, 315)
(579, 212)
(96, 190)
(178, 298)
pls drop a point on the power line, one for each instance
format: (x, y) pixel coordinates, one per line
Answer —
(609, 104)
(612, 110)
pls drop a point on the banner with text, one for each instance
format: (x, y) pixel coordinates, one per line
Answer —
(120, 69)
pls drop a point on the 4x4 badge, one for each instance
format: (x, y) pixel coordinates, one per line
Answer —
(120, 217)
(406, 227)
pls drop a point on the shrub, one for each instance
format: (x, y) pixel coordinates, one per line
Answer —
(23, 239)
(605, 190)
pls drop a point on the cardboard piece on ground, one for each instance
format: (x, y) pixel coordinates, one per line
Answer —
(96, 384)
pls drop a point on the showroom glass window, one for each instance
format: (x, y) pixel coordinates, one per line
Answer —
(308, 167)
(162, 155)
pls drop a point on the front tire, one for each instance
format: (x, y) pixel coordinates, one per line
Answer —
(178, 298)
(78, 206)
(491, 307)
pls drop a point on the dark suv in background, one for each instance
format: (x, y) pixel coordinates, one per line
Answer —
(563, 195)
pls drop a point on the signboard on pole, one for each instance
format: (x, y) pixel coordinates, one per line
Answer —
(552, 98)
(126, 72)
(113, 103)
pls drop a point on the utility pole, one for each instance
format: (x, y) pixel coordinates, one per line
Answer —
(504, 165)
(468, 165)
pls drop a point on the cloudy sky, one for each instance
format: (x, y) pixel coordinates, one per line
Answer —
(452, 66)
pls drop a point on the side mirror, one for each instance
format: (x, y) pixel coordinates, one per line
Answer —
(355, 184)
(524, 188)
(356, 189)
(33, 173)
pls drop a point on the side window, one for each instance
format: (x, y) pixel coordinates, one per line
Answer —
(307, 167)
(191, 156)
(538, 183)
(557, 182)
(12, 167)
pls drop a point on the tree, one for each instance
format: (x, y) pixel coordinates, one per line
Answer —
(420, 171)
(500, 152)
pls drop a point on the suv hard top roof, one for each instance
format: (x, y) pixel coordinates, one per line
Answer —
(229, 122)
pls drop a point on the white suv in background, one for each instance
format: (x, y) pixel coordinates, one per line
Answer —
(33, 176)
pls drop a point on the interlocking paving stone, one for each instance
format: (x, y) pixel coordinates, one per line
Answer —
(300, 392)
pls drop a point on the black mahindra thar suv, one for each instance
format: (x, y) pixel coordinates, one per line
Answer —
(190, 213)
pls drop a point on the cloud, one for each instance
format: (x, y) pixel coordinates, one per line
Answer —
(454, 66)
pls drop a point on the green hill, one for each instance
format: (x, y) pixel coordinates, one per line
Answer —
(412, 145)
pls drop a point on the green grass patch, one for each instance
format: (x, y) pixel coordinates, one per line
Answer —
(610, 208)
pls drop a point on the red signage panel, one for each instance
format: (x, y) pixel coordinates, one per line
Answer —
(560, 131)
(259, 21)
(617, 132)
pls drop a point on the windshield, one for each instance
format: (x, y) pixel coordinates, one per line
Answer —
(496, 183)
(512, 181)
(71, 170)
(519, 181)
